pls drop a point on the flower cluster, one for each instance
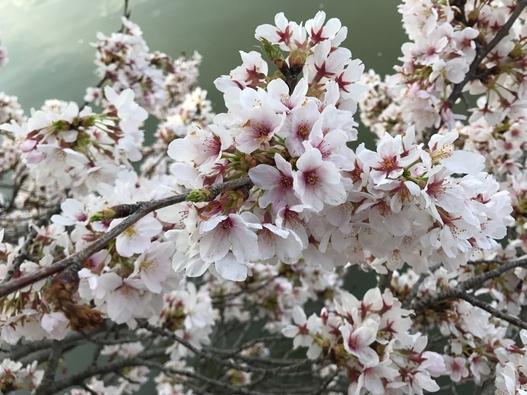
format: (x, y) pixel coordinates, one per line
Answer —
(189, 314)
(124, 60)
(379, 111)
(280, 209)
(75, 147)
(511, 371)
(370, 340)
(445, 38)
(10, 109)
(195, 111)
(15, 376)
(316, 198)
(503, 146)
(475, 344)
(127, 290)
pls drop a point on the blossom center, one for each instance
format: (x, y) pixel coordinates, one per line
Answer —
(261, 129)
(226, 224)
(212, 145)
(130, 232)
(146, 265)
(285, 36)
(286, 182)
(81, 217)
(311, 177)
(435, 189)
(388, 164)
(353, 343)
(302, 131)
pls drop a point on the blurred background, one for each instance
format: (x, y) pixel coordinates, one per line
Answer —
(50, 56)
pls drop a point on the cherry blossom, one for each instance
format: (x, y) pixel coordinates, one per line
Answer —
(240, 232)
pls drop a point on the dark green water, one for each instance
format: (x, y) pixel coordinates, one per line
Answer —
(49, 40)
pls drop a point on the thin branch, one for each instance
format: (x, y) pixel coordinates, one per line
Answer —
(137, 211)
(502, 33)
(457, 90)
(482, 278)
(51, 369)
(233, 389)
(471, 283)
(24, 252)
(23, 350)
(282, 367)
(79, 378)
(495, 312)
(417, 285)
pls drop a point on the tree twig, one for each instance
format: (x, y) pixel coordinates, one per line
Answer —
(472, 283)
(482, 53)
(485, 50)
(495, 312)
(51, 369)
(137, 211)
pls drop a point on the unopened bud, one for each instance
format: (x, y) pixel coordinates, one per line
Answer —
(103, 215)
(198, 195)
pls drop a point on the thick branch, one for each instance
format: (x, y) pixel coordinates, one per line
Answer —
(137, 211)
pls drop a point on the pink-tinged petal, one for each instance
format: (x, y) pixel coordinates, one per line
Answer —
(283, 165)
(214, 246)
(266, 31)
(181, 150)
(310, 159)
(244, 243)
(197, 268)
(186, 175)
(265, 176)
(424, 381)
(246, 142)
(366, 334)
(367, 356)
(373, 299)
(207, 226)
(230, 269)
(373, 383)
(124, 246)
(464, 162)
(61, 220)
(368, 157)
(290, 331)
(289, 250)
(283, 233)
(329, 173)
(151, 283)
(149, 226)
(334, 194)
(433, 363)
(299, 316)
(110, 94)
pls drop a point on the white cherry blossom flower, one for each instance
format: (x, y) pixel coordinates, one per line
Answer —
(137, 237)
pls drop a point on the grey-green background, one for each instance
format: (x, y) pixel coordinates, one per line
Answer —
(48, 41)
